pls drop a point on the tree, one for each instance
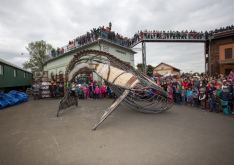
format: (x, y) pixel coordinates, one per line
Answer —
(149, 69)
(196, 73)
(39, 51)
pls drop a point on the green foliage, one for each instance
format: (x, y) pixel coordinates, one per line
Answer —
(139, 67)
(196, 73)
(39, 51)
(149, 69)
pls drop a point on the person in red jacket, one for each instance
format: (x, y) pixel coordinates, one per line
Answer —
(103, 90)
(185, 84)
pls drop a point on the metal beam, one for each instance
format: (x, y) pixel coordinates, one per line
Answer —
(209, 59)
(205, 57)
(144, 57)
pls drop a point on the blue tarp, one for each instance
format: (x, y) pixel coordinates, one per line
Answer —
(12, 98)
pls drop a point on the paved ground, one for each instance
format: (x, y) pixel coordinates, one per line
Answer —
(31, 134)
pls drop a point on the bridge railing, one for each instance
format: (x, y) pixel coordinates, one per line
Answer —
(126, 42)
(172, 35)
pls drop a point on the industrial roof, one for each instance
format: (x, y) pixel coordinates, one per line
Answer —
(13, 65)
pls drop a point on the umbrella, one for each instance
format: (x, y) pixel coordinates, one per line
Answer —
(157, 75)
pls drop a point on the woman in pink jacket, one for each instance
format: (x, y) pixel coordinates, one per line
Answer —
(97, 91)
(231, 74)
(103, 90)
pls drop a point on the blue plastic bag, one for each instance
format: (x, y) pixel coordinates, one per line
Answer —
(12, 98)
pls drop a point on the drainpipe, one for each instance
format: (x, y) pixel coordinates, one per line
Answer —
(209, 59)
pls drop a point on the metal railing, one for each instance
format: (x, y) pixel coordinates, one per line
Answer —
(129, 42)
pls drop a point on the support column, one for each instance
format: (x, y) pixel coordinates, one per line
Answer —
(144, 57)
(209, 59)
(205, 57)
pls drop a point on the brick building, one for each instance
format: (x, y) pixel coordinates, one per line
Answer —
(222, 53)
(164, 68)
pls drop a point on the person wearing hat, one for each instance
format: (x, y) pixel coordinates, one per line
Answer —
(195, 96)
(225, 96)
(36, 91)
(202, 99)
(215, 102)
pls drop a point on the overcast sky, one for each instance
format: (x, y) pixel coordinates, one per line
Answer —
(57, 22)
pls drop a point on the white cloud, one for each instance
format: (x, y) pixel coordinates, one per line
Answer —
(57, 22)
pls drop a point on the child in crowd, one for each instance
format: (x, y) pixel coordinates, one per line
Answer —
(97, 91)
(177, 91)
(132, 95)
(103, 91)
(210, 93)
(202, 99)
(195, 96)
(215, 102)
(225, 96)
(85, 92)
(77, 92)
(232, 101)
(109, 91)
(218, 89)
(190, 96)
(88, 92)
(151, 95)
(170, 92)
(183, 94)
(80, 92)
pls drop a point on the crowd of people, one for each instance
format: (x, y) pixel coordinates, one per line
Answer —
(93, 90)
(106, 33)
(204, 92)
(57, 52)
(212, 93)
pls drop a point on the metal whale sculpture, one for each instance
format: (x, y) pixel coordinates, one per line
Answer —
(130, 85)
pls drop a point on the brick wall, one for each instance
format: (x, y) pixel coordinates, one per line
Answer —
(214, 51)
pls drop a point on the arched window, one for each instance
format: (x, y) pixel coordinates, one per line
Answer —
(52, 75)
(61, 72)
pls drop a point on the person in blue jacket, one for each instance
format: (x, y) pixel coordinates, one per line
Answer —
(210, 93)
(225, 96)
(189, 96)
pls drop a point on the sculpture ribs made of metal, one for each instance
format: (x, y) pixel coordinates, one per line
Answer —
(131, 86)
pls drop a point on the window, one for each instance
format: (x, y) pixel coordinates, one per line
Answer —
(15, 73)
(132, 57)
(24, 74)
(106, 49)
(1, 69)
(227, 71)
(27, 75)
(228, 53)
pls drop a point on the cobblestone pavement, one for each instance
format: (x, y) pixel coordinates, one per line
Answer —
(31, 134)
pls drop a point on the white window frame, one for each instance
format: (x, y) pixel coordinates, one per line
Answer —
(15, 73)
(1, 69)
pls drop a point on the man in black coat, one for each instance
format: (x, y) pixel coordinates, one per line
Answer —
(52, 88)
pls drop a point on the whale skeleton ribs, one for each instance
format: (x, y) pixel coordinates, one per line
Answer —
(131, 86)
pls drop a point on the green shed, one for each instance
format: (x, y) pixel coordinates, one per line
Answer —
(13, 77)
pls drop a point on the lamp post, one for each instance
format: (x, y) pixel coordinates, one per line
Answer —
(30, 60)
